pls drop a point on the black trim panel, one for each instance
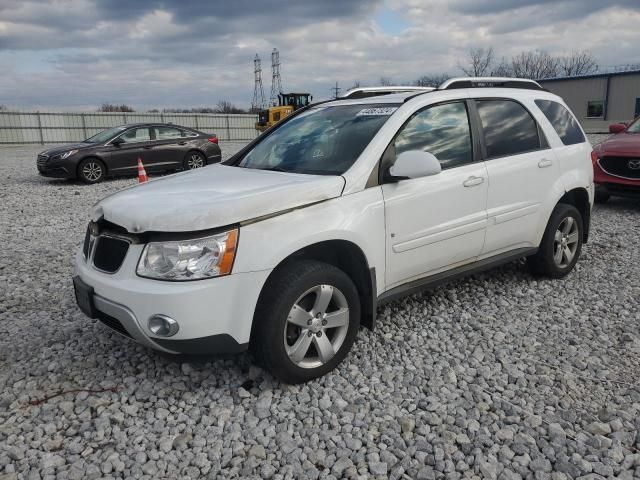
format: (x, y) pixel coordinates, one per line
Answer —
(620, 189)
(438, 279)
(214, 344)
(372, 314)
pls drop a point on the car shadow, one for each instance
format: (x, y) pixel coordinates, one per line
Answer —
(619, 204)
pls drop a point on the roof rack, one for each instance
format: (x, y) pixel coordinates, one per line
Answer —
(489, 82)
(364, 92)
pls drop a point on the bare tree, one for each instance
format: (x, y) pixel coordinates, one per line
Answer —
(432, 80)
(502, 69)
(385, 82)
(224, 106)
(109, 107)
(479, 62)
(536, 64)
(356, 84)
(577, 63)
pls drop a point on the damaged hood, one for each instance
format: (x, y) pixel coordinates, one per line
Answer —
(211, 197)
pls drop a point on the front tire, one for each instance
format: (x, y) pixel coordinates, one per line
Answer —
(561, 243)
(194, 160)
(91, 170)
(306, 321)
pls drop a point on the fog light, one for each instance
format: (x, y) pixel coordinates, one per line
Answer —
(163, 326)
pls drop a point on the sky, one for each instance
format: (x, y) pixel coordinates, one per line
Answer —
(74, 55)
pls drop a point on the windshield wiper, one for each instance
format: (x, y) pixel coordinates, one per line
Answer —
(276, 169)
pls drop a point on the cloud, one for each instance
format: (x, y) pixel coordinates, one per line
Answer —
(160, 53)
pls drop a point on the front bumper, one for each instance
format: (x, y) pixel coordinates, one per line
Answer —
(55, 171)
(613, 185)
(214, 315)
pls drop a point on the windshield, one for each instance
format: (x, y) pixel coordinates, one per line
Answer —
(322, 141)
(105, 135)
(634, 127)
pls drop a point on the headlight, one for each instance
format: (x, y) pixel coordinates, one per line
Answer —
(195, 259)
(68, 154)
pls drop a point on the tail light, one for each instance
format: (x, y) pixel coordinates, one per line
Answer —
(213, 139)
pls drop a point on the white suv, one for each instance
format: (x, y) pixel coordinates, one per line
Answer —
(288, 247)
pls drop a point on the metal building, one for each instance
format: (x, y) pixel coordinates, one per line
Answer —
(599, 99)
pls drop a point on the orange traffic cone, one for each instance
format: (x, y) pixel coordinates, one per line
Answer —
(142, 173)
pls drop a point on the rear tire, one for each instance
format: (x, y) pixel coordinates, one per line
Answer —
(91, 170)
(306, 321)
(561, 243)
(194, 160)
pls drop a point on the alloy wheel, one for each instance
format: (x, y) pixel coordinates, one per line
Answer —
(92, 171)
(565, 242)
(317, 326)
(195, 161)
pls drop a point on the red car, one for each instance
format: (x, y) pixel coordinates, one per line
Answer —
(616, 163)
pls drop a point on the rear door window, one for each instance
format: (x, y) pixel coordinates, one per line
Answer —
(509, 129)
(167, 133)
(565, 125)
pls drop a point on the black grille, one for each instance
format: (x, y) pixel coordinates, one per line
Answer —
(42, 160)
(109, 253)
(113, 324)
(621, 166)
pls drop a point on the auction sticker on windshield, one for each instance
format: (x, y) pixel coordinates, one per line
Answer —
(376, 111)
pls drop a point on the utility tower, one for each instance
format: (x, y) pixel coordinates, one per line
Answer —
(336, 90)
(276, 84)
(258, 92)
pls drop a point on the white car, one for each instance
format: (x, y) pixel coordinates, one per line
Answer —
(287, 248)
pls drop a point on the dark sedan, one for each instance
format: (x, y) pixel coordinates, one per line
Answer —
(115, 152)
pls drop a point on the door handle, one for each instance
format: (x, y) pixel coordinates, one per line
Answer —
(148, 147)
(472, 181)
(545, 162)
(182, 143)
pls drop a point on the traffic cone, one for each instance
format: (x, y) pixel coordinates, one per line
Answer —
(142, 173)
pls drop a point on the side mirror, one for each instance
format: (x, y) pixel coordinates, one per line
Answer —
(617, 128)
(117, 141)
(414, 164)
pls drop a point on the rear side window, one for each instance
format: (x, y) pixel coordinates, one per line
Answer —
(508, 128)
(562, 121)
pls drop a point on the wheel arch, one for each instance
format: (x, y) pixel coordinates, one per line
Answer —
(579, 198)
(348, 257)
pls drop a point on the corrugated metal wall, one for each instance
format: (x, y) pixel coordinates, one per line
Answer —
(34, 127)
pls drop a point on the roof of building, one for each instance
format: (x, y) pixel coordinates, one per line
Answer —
(592, 75)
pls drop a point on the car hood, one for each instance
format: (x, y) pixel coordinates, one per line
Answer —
(213, 196)
(65, 148)
(622, 143)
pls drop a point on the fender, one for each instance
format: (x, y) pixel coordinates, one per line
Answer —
(356, 218)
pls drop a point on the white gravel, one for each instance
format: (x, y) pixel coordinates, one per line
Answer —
(498, 376)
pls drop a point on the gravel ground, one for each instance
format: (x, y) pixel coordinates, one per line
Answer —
(498, 376)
